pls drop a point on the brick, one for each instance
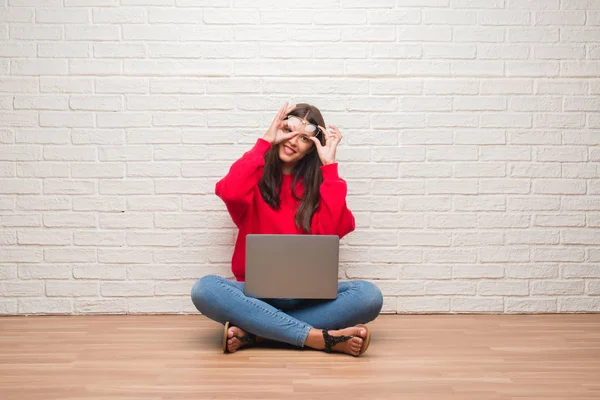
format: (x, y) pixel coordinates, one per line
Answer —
(119, 50)
(504, 288)
(556, 120)
(425, 203)
(593, 288)
(586, 236)
(530, 305)
(477, 271)
(579, 304)
(477, 304)
(503, 186)
(45, 306)
(557, 254)
(559, 186)
(452, 287)
(426, 305)
(91, 32)
(127, 289)
(478, 239)
(557, 288)
(479, 203)
(21, 289)
(99, 239)
(61, 15)
(18, 49)
(40, 102)
(451, 256)
(493, 51)
(71, 289)
(451, 153)
(67, 84)
(532, 203)
(70, 50)
(426, 170)
(46, 237)
(102, 272)
(100, 306)
(534, 170)
(415, 238)
(100, 203)
(96, 103)
(122, 85)
(8, 307)
(45, 271)
(8, 272)
(69, 255)
(43, 136)
(572, 220)
(39, 32)
(531, 271)
(506, 86)
(121, 15)
(476, 170)
(508, 153)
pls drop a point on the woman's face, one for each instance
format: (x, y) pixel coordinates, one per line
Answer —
(294, 149)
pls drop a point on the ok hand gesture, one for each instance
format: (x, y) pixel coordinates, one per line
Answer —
(332, 139)
(275, 134)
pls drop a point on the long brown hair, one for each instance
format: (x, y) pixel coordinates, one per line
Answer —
(307, 168)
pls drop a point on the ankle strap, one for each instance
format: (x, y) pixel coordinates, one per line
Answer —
(331, 341)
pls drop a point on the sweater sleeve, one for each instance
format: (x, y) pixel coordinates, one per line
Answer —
(236, 189)
(332, 216)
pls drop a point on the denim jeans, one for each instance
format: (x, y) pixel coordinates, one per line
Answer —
(286, 320)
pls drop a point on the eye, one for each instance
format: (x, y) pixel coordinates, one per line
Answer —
(305, 139)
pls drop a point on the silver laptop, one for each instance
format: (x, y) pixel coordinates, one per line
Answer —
(292, 266)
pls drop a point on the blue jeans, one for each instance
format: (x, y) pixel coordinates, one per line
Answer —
(286, 320)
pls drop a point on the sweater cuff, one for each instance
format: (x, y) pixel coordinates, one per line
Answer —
(330, 172)
(261, 146)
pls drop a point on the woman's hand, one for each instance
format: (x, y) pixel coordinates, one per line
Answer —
(332, 139)
(275, 133)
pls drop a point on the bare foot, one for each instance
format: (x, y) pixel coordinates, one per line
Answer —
(233, 344)
(350, 346)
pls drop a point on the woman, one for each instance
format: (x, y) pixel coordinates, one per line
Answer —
(288, 183)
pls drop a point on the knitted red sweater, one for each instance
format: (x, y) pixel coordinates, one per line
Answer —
(251, 214)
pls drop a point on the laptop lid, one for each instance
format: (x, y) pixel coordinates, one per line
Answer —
(292, 266)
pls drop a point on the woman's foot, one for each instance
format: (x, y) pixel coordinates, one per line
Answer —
(233, 343)
(351, 346)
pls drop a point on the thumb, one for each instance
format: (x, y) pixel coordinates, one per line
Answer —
(316, 142)
(290, 135)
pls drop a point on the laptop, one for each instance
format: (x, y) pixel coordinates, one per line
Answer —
(292, 266)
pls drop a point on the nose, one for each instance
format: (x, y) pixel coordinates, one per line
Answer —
(294, 141)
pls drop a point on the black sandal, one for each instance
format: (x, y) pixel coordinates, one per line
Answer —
(331, 341)
(249, 339)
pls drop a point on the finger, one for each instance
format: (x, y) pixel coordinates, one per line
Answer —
(325, 132)
(316, 142)
(290, 135)
(281, 113)
(336, 130)
(278, 116)
(292, 108)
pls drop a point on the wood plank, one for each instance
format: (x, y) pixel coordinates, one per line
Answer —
(411, 357)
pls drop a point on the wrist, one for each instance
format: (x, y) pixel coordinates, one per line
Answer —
(269, 139)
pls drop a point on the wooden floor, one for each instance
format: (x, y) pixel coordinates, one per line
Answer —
(420, 357)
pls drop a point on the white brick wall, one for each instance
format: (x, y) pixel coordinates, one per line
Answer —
(471, 149)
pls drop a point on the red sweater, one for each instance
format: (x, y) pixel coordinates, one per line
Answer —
(251, 214)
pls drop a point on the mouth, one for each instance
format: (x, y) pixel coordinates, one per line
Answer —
(288, 150)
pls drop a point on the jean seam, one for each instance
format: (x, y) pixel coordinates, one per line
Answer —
(305, 327)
